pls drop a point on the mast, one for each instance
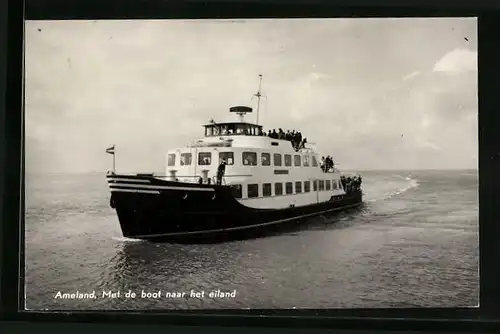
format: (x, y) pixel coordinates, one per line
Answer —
(259, 94)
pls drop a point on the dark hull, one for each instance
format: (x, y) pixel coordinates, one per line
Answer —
(181, 212)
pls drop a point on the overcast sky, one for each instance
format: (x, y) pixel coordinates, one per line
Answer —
(374, 93)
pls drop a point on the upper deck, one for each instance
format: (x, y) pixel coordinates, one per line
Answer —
(249, 141)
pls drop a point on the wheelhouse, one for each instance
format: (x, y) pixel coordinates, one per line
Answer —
(233, 129)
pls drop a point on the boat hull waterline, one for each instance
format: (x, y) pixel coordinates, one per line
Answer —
(153, 209)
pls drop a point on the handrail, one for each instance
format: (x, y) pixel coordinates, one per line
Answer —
(331, 170)
(197, 176)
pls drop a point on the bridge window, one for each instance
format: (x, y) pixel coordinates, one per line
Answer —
(171, 160)
(307, 186)
(253, 190)
(327, 184)
(278, 189)
(228, 156)
(236, 189)
(289, 188)
(306, 160)
(266, 189)
(321, 185)
(296, 160)
(249, 159)
(334, 184)
(266, 159)
(314, 161)
(315, 185)
(209, 131)
(204, 158)
(277, 159)
(288, 160)
(186, 159)
(298, 187)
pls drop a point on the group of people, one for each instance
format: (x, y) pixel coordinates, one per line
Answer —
(327, 164)
(295, 137)
(351, 183)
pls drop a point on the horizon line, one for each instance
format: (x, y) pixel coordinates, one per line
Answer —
(344, 169)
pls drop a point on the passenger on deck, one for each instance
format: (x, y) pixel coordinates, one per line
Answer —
(220, 172)
(328, 164)
(343, 181)
(304, 142)
(299, 138)
(270, 134)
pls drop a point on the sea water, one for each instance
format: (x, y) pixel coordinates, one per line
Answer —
(414, 243)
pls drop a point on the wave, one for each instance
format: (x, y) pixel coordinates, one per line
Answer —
(124, 239)
(410, 184)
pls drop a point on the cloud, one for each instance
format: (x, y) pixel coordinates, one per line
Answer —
(146, 86)
(411, 75)
(458, 60)
(430, 145)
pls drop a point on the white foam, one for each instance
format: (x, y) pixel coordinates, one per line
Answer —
(123, 239)
(413, 183)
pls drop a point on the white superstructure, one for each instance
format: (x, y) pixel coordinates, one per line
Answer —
(265, 173)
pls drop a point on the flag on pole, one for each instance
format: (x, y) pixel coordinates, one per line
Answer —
(111, 150)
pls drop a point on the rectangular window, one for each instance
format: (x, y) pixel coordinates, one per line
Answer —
(289, 188)
(306, 161)
(277, 159)
(237, 190)
(321, 185)
(314, 161)
(296, 160)
(298, 187)
(315, 185)
(227, 156)
(266, 189)
(307, 186)
(171, 160)
(249, 159)
(278, 189)
(288, 160)
(253, 190)
(186, 159)
(265, 158)
(334, 184)
(327, 184)
(204, 158)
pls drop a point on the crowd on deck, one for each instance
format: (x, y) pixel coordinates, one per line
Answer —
(295, 137)
(327, 164)
(351, 183)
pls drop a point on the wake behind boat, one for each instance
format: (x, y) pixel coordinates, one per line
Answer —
(236, 181)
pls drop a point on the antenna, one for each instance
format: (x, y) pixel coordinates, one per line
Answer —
(259, 94)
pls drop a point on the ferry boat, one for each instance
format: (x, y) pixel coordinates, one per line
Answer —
(268, 183)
